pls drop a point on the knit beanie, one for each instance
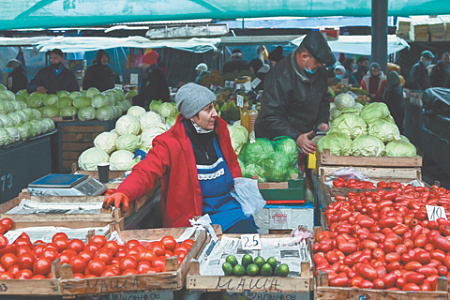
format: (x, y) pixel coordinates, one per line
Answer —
(192, 98)
(150, 58)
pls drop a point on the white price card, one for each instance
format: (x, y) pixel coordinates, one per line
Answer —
(213, 88)
(354, 96)
(240, 101)
(435, 212)
(134, 78)
(255, 82)
(250, 241)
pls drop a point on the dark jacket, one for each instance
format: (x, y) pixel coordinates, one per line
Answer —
(46, 77)
(153, 87)
(440, 75)
(293, 102)
(99, 76)
(418, 78)
(235, 65)
(393, 97)
(17, 80)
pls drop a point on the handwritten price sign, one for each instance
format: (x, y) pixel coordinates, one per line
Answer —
(250, 241)
(435, 212)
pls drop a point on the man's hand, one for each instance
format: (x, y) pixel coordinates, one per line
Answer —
(118, 199)
(305, 144)
(323, 127)
(41, 89)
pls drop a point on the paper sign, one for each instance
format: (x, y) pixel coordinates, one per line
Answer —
(12, 236)
(240, 101)
(118, 86)
(354, 96)
(435, 212)
(250, 241)
(248, 86)
(134, 78)
(213, 88)
(255, 82)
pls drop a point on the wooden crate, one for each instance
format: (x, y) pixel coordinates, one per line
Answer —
(376, 173)
(239, 284)
(173, 279)
(283, 191)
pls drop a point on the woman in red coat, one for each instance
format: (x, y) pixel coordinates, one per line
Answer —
(196, 165)
(374, 83)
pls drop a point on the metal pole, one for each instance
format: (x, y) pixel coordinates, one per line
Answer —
(379, 33)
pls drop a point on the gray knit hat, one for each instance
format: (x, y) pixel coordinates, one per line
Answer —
(192, 98)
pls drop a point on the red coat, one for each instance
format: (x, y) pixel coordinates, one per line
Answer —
(172, 160)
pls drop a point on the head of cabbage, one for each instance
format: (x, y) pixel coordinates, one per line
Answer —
(123, 160)
(344, 100)
(400, 149)
(86, 113)
(338, 143)
(374, 111)
(136, 111)
(150, 119)
(287, 146)
(367, 145)
(168, 109)
(91, 157)
(384, 130)
(106, 141)
(258, 151)
(148, 135)
(128, 124)
(276, 166)
(239, 137)
(351, 124)
(127, 142)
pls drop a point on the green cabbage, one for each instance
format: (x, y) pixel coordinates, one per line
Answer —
(36, 114)
(374, 111)
(23, 131)
(350, 124)
(81, 101)
(171, 121)
(288, 146)
(92, 91)
(258, 151)
(168, 109)
(14, 134)
(123, 160)
(276, 166)
(50, 111)
(254, 169)
(86, 113)
(147, 136)
(61, 94)
(15, 117)
(384, 130)
(150, 119)
(334, 113)
(68, 111)
(400, 149)
(338, 143)
(124, 105)
(131, 94)
(64, 102)
(136, 111)
(127, 142)
(154, 105)
(292, 171)
(128, 124)
(367, 145)
(105, 113)
(344, 101)
(50, 123)
(75, 95)
(106, 141)
(99, 101)
(50, 99)
(5, 139)
(239, 136)
(404, 138)
(91, 157)
(6, 121)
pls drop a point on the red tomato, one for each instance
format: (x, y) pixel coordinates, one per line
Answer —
(168, 254)
(411, 287)
(50, 253)
(78, 276)
(159, 263)
(8, 260)
(129, 272)
(86, 255)
(131, 244)
(157, 248)
(3, 241)
(60, 235)
(109, 273)
(143, 267)
(7, 223)
(23, 250)
(146, 255)
(26, 260)
(61, 244)
(38, 276)
(92, 248)
(183, 248)
(78, 264)
(24, 274)
(113, 246)
(6, 275)
(104, 254)
(14, 269)
(169, 242)
(96, 266)
(77, 245)
(20, 242)
(127, 263)
(99, 240)
(188, 242)
(42, 266)
(90, 276)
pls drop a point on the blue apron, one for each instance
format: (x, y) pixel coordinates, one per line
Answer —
(216, 182)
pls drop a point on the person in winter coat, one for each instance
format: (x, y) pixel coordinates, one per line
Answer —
(363, 66)
(201, 69)
(55, 77)
(296, 99)
(393, 97)
(235, 63)
(276, 55)
(418, 77)
(341, 73)
(196, 165)
(440, 74)
(154, 86)
(17, 76)
(374, 82)
(100, 75)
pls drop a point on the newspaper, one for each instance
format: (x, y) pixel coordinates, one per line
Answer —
(282, 249)
(29, 207)
(45, 233)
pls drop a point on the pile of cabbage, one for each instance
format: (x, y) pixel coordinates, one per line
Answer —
(167, 110)
(269, 160)
(364, 131)
(134, 130)
(85, 105)
(18, 122)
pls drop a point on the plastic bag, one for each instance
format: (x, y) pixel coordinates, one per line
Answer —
(349, 173)
(246, 192)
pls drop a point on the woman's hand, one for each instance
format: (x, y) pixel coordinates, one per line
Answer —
(119, 199)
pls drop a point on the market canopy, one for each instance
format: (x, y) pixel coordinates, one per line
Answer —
(62, 13)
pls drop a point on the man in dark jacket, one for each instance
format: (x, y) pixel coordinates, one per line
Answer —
(296, 98)
(17, 77)
(55, 77)
(418, 77)
(154, 86)
(99, 75)
(236, 63)
(440, 74)
(363, 66)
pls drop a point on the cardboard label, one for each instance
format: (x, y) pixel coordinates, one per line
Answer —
(250, 241)
(435, 212)
(240, 101)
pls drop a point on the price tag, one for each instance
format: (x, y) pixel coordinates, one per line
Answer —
(255, 82)
(118, 86)
(134, 78)
(250, 241)
(354, 96)
(240, 101)
(344, 81)
(435, 212)
(213, 88)
(12, 235)
(248, 86)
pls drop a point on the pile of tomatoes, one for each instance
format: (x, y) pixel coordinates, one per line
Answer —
(384, 240)
(358, 184)
(99, 258)
(6, 225)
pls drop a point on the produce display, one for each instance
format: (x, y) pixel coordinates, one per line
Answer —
(19, 122)
(98, 258)
(364, 131)
(384, 239)
(358, 184)
(85, 105)
(336, 88)
(135, 130)
(254, 267)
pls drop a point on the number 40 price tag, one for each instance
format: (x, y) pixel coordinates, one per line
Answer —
(250, 241)
(435, 212)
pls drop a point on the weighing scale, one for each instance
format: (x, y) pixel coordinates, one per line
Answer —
(66, 185)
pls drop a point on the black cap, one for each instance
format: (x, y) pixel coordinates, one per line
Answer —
(276, 54)
(318, 47)
(57, 52)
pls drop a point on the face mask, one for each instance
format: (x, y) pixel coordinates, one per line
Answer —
(9, 70)
(105, 63)
(339, 77)
(308, 70)
(427, 63)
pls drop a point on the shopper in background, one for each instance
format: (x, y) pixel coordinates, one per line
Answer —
(254, 65)
(195, 163)
(393, 97)
(348, 65)
(55, 77)
(154, 86)
(374, 82)
(296, 100)
(261, 74)
(418, 77)
(341, 74)
(362, 67)
(235, 63)
(201, 69)
(276, 55)
(440, 73)
(100, 75)
(17, 76)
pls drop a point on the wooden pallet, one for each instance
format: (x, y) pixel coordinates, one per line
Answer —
(173, 279)
(239, 284)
